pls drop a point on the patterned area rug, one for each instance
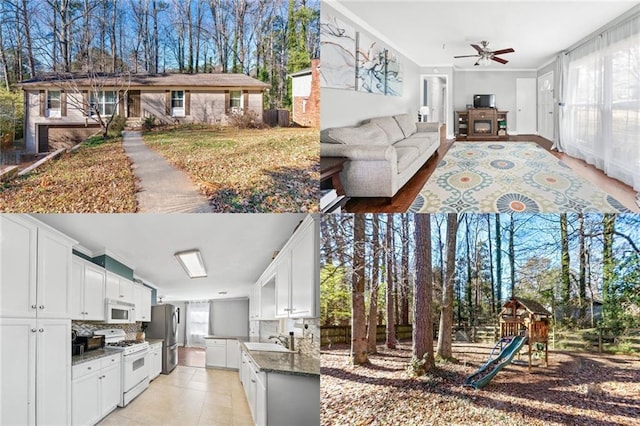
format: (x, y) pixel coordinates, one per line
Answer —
(508, 177)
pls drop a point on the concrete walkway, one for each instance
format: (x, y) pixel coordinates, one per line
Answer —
(163, 188)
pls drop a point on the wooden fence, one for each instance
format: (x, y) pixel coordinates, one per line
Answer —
(342, 334)
(276, 117)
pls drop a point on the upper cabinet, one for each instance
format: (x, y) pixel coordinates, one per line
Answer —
(142, 298)
(297, 289)
(119, 288)
(88, 291)
(35, 269)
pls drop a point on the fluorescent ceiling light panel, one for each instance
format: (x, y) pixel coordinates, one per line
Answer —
(191, 261)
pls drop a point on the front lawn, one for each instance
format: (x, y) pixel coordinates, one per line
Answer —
(97, 178)
(247, 170)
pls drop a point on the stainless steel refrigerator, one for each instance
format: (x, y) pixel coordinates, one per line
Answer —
(164, 325)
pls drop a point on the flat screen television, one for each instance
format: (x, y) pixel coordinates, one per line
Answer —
(484, 101)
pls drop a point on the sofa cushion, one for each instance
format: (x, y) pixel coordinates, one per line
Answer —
(407, 124)
(390, 127)
(367, 134)
(406, 156)
(422, 141)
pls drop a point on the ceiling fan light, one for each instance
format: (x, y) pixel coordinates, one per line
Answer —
(191, 262)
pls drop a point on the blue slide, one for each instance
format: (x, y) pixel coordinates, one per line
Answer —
(480, 378)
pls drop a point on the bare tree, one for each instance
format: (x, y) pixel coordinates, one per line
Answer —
(423, 290)
(390, 250)
(446, 311)
(358, 322)
(372, 327)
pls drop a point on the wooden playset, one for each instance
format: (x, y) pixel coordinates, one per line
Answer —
(522, 315)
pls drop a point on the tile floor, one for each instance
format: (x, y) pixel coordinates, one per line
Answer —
(187, 396)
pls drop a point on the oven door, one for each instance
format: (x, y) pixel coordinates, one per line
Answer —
(136, 369)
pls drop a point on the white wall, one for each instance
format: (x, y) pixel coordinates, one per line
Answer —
(499, 83)
(229, 317)
(349, 107)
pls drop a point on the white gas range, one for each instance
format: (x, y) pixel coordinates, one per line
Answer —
(135, 368)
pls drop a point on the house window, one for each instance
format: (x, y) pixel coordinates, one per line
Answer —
(235, 100)
(53, 103)
(104, 103)
(177, 103)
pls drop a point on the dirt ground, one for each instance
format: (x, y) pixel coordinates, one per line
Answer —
(577, 388)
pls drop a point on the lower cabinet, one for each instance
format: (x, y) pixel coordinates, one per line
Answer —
(155, 365)
(222, 353)
(277, 399)
(95, 389)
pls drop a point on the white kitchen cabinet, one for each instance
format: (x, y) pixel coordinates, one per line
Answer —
(232, 360)
(142, 298)
(119, 288)
(155, 364)
(96, 389)
(216, 353)
(88, 290)
(37, 382)
(297, 288)
(35, 269)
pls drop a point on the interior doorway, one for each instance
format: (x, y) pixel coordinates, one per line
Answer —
(434, 98)
(525, 106)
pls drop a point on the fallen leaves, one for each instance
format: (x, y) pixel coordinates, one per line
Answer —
(382, 393)
(248, 170)
(94, 179)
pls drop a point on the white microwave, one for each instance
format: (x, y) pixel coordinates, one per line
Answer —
(119, 312)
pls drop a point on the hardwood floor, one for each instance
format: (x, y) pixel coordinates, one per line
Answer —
(191, 357)
(401, 202)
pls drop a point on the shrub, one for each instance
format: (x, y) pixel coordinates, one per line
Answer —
(149, 123)
(117, 125)
(245, 120)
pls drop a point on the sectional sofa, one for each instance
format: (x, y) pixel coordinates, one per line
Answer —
(382, 153)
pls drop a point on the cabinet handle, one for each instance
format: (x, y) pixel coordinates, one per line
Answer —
(41, 306)
(88, 368)
(33, 330)
(41, 330)
(253, 381)
(34, 306)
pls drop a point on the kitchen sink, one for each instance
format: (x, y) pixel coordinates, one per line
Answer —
(267, 347)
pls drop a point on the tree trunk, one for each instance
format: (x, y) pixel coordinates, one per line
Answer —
(493, 284)
(565, 267)
(358, 322)
(27, 37)
(608, 265)
(468, 295)
(446, 312)
(391, 328)
(3, 58)
(373, 292)
(512, 256)
(582, 278)
(404, 317)
(498, 260)
(423, 290)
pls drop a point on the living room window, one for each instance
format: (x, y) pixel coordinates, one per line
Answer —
(105, 103)
(235, 100)
(54, 103)
(177, 103)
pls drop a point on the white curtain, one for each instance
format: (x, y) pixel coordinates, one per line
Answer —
(196, 323)
(601, 116)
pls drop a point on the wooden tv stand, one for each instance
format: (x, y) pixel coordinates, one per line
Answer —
(480, 124)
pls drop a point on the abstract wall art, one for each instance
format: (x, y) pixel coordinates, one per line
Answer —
(338, 54)
(370, 65)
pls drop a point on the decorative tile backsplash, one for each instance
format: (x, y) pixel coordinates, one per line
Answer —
(84, 328)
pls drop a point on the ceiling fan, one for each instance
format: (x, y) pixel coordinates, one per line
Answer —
(485, 55)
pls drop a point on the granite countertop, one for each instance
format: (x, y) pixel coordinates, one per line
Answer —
(286, 363)
(154, 341)
(92, 355)
(240, 338)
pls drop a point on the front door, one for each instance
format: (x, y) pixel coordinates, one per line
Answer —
(526, 106)
(545, 106)
(133, 103)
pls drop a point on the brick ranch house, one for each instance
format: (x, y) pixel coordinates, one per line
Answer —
(57, 110)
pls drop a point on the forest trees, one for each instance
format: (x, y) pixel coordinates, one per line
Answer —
(422, 298)
(264, 38)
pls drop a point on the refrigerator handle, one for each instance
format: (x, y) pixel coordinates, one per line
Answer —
(178, 309)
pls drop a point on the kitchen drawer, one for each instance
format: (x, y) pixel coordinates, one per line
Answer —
(110, 360)
(86, 368)
(215, 342)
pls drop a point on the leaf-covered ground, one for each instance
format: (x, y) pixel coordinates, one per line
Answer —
(97, 178)
(249, 170)
(577, 388)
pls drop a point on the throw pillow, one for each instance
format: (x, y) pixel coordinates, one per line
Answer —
(407, 123)
(367, 134)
